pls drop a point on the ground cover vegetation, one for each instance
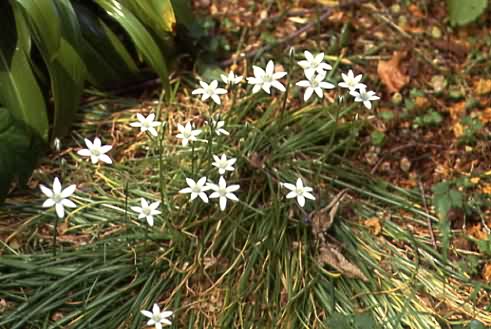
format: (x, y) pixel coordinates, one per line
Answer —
(318, 165)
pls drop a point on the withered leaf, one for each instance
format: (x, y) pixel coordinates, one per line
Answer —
(390, 73)
(329, 254)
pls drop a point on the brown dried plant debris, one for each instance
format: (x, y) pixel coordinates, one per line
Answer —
(391, 74)
(330, 253)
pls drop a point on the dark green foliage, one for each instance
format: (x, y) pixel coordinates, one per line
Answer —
(50, 49)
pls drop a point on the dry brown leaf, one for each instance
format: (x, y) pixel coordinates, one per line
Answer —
(482, 87)
(486, 272)
(485, 116)
(457, 110)
(415, 11)
(390, 73)
(421, 102)
(374, 225)
(486, 189)
(458, 129)
(323, 218)
(329, 254)
(477, 232)
(475, 180)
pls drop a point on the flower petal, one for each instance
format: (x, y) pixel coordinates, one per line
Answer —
(56, 186)
(308, 56)
(303, 83)
(270, 67)
(309, 195)
(97, 142)
(291, 195)
(105, 158)
(308, 93)
(289, 186)
(68, 203)
(301, 200)
(150, 220)
(278, 85)
(60, 210)
(258, 72)
(279, 75)
(202, 181)
(231, 196)
(232, 188)
(68, 191)
(48, 203)
(46, 191)
(166, 314)
(106, 148)
(203, 197)
(223, 203)
(216, 99)
(148, 314)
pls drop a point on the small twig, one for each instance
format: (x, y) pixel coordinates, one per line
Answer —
(430, 225)
(257, 51)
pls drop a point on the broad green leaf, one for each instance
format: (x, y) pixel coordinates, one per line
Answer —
(66, 69)
(445, 198)
(19, 90)
(44, 11)
(142, 39)
(463, 12)
(107, 60)
(475, 324)
(19, 150)
(183, 12)
(155, 14)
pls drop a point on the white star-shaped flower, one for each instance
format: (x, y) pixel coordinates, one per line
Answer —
(196, 189)
(218, 127)
(187, 133)
(223, 164)
(147, 210)
(351, 82)
(231, 78)
(315, 83)
(157, 318)
(96, 151)
(146, 123)
(58, 197)
(223, 192)
(299, 191)
(365, 97)
(314, 64)
(210, 91)
(265, 79)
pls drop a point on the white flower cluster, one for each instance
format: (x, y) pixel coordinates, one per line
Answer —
(315, 71)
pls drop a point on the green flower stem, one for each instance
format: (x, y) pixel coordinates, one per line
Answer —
(55, 234)
(212, 128)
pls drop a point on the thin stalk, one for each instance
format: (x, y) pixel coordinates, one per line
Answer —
(211, 123)
(55, 234)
